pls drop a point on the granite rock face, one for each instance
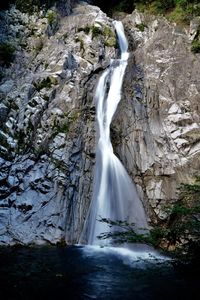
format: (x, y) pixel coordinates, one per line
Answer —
(47, 124)
(159, 115)
(47, 117)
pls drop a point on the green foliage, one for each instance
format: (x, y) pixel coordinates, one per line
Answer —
(195, 46)
(109, 37)
(180, 11)
(125, 232)
(141, 26)
(106, 33)
(80, 40)
(156, 235)
(182, 230)
(7, 51)
(183, 221)
(111, 42)
(52, 17)
(64, 122)
(96, 31)
(39, 43)
(27, 6)
(178, 15)
(125, 6)
(85, 29)
(31, 6)
(64, 128)
(45, 83)
(162, 6)
(180, 210)
(189, 188)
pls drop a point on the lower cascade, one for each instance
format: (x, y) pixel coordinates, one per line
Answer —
(114, 194)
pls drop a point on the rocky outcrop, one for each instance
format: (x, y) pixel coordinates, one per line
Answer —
(47, 114)
(158, 120)
(47, 123)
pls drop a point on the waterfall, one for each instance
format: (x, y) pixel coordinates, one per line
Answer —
(114, 194)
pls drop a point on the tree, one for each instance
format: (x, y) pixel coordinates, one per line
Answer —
(182, 229)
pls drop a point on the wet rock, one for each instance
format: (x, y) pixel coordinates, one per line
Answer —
(158, 117)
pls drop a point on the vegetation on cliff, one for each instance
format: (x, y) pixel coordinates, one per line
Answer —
(30, 6)
(179, 235)
(181, 10)
(176, 10)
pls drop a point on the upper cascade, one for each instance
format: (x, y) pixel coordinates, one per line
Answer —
(123, 43)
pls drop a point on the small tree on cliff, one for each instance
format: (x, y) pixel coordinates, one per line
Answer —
(181, 232)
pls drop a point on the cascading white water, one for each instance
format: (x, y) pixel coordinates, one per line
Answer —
(114, 195)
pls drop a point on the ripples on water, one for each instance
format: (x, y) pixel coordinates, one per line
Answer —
(92, 273)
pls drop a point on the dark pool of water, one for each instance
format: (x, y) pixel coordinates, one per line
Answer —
(79, 273)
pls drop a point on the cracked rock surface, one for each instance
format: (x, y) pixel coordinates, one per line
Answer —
(158, 120)
(47, 125)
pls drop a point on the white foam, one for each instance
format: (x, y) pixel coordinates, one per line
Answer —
(132, 257)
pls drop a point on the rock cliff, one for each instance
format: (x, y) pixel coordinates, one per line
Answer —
(47, 117)
(159, 132)
(47, 123)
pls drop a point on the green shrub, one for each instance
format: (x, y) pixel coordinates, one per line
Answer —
(156, 235)
(109, 37)
(141, 26)
(96, 31)
(195, 46)
(31, 6)
(52, 17)
(39, 43)
(125, 6)
(60, 126)
(178, 15)
(181, 11)
(182, 229)
(64, 128)
(78, 39)
(164, 5)
(85, 29)
(27, 6)
(111, 42)
(45, 83)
